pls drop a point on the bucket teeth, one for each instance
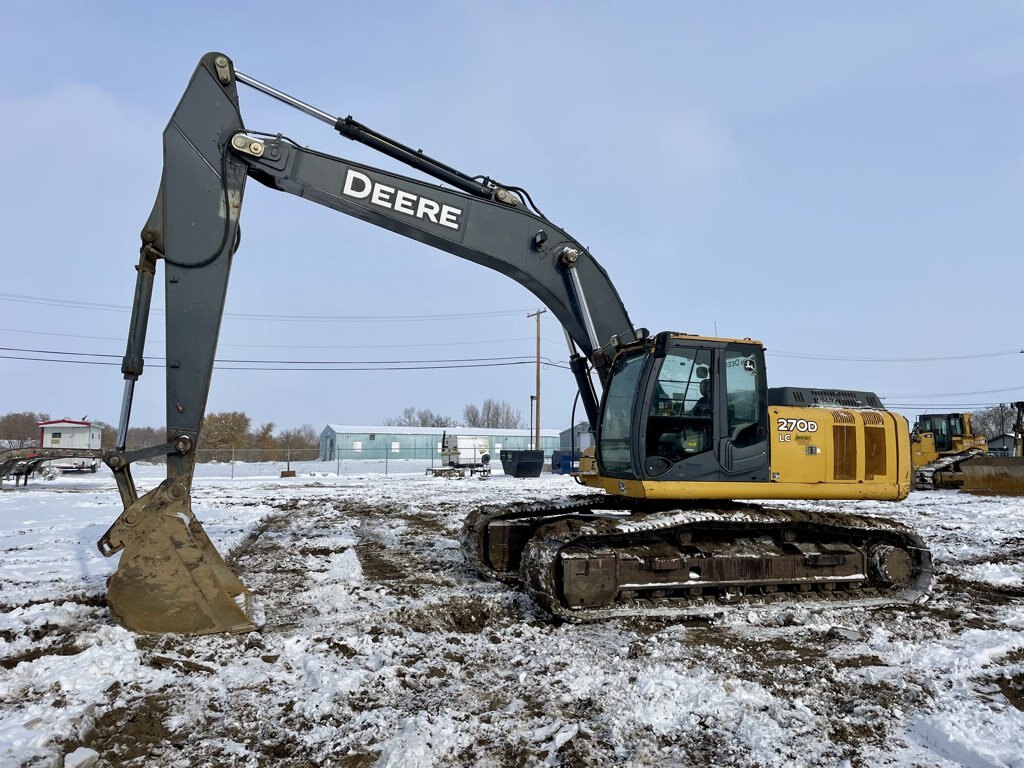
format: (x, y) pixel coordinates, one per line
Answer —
(170, 577)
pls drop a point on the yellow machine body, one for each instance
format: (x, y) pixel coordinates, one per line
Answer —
(928, 446)
(815, 453)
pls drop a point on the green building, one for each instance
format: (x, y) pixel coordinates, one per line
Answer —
(341, 441)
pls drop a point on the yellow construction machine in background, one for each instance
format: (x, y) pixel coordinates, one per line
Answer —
(998, 475)
(946, 453)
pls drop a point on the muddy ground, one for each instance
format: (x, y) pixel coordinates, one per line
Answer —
(380, 647)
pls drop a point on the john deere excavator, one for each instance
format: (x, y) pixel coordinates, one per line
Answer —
(685, 425)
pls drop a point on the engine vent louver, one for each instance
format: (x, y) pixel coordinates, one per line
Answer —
(838, 397)
(834, 398)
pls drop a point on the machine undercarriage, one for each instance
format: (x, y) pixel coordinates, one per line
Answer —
(597, 558)
(946, 472)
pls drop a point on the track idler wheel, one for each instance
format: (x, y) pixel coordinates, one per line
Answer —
(892, 566)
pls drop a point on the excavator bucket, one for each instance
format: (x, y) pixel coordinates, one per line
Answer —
(993, 476)
(170, 577)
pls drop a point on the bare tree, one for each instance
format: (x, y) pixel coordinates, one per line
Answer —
(20, 430)
(262, 442)
(993, 421)
(424, 417)
(471, 416)
(303, 437)
(297, 443)
(492, 415)
(144, 437)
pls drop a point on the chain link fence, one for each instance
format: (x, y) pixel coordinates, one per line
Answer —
(256, 455)
(307, 460)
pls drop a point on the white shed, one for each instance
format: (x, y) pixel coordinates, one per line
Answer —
(64, 433)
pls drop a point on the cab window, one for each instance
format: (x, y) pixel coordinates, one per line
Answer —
(743, 405)
(683, 383)
(613, 446)
(679, 419)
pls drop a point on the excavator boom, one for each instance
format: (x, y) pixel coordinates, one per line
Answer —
(170, 577)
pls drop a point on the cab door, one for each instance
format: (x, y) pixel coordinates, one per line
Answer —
(743, 445)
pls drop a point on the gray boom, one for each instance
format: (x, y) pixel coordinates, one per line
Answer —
(194, 229)
(170, 576)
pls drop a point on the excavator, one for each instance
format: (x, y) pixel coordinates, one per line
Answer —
(687, 430)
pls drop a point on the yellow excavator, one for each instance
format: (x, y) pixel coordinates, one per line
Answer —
(685, 425)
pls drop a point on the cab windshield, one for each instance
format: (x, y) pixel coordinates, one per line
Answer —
(613, 446)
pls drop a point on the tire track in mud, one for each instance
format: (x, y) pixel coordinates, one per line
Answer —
(413, 592)
(276, 562)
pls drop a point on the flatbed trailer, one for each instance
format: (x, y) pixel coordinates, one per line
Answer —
(21, 463)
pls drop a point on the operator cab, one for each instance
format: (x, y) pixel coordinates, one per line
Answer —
(944, 427)
(686, 408)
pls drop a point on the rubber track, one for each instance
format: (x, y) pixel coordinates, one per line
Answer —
(474, 529)
(924, 477)
(539, 564)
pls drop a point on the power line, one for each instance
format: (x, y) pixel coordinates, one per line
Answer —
(480, 342)
(232, 364)
(41, 300)
(841, 358)
(931, 406)
(960, 394)
(249, 317)
(291, 365)
(282, 362)
(348, 367)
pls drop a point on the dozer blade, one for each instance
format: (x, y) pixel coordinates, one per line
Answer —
(170, 577)
(993, 476)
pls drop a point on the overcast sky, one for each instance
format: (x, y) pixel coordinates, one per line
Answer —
(843, 181)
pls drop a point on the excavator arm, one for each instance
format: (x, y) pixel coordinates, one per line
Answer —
(503, 236)
(185, 586)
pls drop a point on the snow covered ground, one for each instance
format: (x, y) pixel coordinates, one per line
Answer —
(381, 648)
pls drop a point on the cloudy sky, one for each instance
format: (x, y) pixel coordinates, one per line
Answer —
(842, 181)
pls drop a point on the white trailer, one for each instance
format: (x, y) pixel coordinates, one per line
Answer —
(70, 436)
(461, 454)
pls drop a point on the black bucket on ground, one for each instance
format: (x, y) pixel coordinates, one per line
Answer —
(522, 463)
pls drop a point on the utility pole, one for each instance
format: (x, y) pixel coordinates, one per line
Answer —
(529, 444)
(536, 419)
